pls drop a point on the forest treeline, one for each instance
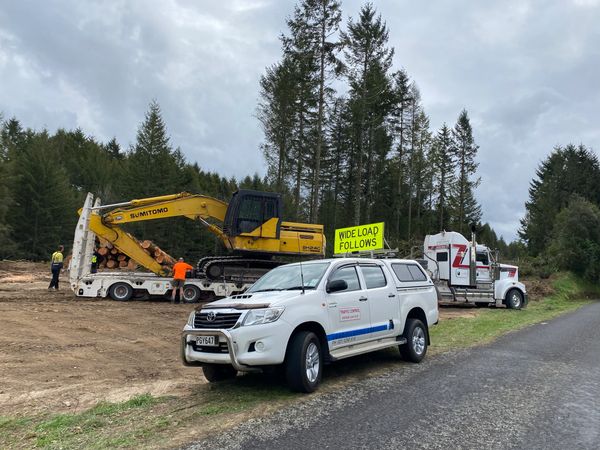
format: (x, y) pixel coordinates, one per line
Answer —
(346, 141)
(45, 177)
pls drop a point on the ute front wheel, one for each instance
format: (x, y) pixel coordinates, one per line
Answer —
(218, 372)
(416, 341)
(304, 362)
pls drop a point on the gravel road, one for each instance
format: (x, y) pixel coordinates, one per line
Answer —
(537, 388)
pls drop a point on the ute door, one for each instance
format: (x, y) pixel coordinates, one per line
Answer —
(348, 310)
(382, 299)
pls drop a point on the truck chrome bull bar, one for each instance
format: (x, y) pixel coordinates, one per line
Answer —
(231, 347)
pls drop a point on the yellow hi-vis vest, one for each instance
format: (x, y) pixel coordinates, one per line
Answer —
(57, 257)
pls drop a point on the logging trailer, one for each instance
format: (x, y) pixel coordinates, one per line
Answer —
(250, 228)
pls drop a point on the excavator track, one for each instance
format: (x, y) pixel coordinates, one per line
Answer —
(237, 269)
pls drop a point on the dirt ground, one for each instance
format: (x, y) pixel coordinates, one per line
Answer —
(64, 353)
(59, 352)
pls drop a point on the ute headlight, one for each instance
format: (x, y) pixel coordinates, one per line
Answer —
(190, 321)
(259, 316)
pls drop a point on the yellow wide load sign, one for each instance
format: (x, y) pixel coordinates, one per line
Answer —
(360, 238)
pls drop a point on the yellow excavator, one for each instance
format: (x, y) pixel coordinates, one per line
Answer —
(250, 227)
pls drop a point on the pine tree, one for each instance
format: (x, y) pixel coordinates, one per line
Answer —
(44, 205)
(277, 114)
(324, 19)
(6, 243)
(568, 170)
(367, 59)
(467, 210)
(444, 164)
(401, 132)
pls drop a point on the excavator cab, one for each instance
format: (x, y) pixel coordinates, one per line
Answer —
(254, 213)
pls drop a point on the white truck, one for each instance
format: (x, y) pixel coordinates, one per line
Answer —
(304, 315)
(464, 271)
(123, 286)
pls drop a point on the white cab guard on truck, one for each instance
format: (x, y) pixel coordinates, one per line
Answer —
(304, 315)
(465, 271)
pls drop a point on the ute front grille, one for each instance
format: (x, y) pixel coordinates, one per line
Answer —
(221, 320)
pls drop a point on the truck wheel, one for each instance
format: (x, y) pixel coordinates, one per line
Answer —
(304, 362)
(191, 293)
(218, 372)
(514, 299)
(120, 292)
(416, 346)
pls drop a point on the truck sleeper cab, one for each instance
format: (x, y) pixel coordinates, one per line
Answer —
(304, 315)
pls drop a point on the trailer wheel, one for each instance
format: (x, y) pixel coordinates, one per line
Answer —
(416, 341)
(191, 293)
(120, 292)
(514, 299)
(304, 362)
(218, 372)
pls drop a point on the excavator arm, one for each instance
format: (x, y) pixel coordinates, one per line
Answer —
(195, 207)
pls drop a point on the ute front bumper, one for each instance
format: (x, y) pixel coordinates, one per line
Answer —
(247, 348)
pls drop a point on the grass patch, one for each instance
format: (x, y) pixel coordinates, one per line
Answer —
(89, 429)
(570, 293)
(143, 421)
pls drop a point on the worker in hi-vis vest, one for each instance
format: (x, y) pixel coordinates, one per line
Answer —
(95, 261)
(56, 264)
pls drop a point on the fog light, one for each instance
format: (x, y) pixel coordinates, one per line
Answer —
(260, 346)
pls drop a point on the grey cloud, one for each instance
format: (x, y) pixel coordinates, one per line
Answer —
(527, 72)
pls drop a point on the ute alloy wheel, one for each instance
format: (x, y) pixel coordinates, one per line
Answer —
(120, 292)
(416, 341)
(514, 299)
(304, 362)
(191, 293)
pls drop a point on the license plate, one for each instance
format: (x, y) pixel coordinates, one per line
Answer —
(207, 341)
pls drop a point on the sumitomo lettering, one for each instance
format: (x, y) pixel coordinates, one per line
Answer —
(150, 212)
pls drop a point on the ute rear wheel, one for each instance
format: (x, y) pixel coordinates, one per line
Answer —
(514, 299)
(304, 362)
(416, 341)
(191, 293)
(218, 372)
(120, 292)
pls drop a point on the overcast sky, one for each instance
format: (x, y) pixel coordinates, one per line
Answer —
(528, 72)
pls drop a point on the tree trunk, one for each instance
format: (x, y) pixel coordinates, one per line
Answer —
(317, 169)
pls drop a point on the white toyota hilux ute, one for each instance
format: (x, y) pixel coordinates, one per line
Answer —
(304, 315)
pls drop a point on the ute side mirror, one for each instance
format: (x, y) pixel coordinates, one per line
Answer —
(336, 286)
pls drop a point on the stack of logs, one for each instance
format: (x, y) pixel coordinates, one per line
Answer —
(113, 259)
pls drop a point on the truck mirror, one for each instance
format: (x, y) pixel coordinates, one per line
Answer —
(336, 286)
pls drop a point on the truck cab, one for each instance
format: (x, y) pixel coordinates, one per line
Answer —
(467, 271)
